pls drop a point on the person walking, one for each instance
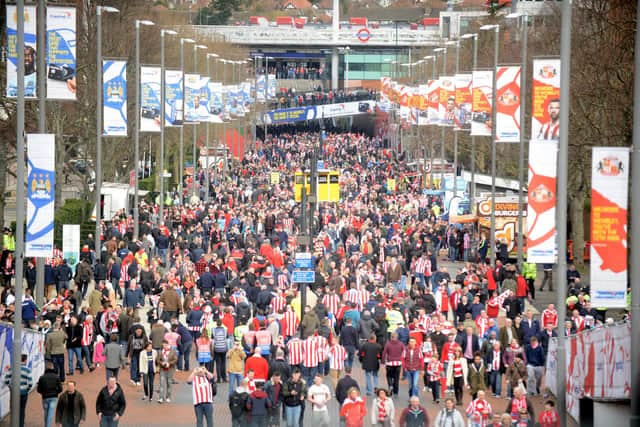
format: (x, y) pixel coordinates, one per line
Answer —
(477, 375)
(479, 411)
(49, 386)
(110, 404)
(203, 393)
(113, 357)
(148, 369)
(536, 358)
(383, 411)
(449, 416)
(258, 406)
(414, 415)
(370, 355)
(434, 371)
(26, 384)
(353, 409)
(413, 360)
(55, 345)
(319, 395)
(457, 374)
(392, 359)
(166, 361)
(71, 408)
(294, 392)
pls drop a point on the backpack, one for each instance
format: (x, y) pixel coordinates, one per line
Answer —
(237, 403)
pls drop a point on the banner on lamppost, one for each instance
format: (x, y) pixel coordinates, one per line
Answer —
(541, 202)
(150, 99)
(173, 98)
(71, 244)
(447, 107)
(191, 98)
(40, 194)
(433, 101)
(261, 88)
(114, 96)
(30, 54)
(609, 203)
(271, 86)
(463, 100)
(545, 115)
(482, 96)
(508, 104)
(216, 104)
(202, 110)
(61, 52)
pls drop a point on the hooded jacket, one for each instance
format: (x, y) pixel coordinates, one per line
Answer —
(258, 404)
(366, 326)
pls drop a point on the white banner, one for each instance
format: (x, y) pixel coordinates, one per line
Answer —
(150, 99)
(61, 52)
(114, 96)
(508, 104)
(482, 86)
(609, 205)
(346, 109)
(545, 115)
(40, 194)
(30, 54)
(71, 244)
(541, 210)
(447, 109)
(173, 98)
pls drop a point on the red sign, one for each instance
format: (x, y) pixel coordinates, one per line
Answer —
(363, 35)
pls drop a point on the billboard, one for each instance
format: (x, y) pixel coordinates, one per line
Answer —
(507, 215)
(433, 101)
(508, 104)
(447, 107)
(462, 119)
(216, 102)
(173, 98)
(61, 52)
(481, 105)
(30, 53)
(150, 99)
(609, 200)
(40, 194)
(192, 98)
(545, 115)
(541, 196)
(114, 97)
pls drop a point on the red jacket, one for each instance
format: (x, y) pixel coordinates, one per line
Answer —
(259, 365)
(413, 362)
(522, 289)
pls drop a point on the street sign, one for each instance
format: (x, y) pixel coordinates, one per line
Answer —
(320, 165)
(304, 276)
(303, 260)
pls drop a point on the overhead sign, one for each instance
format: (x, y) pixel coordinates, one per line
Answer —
(304, 276)
(303, 260)
(363, 35)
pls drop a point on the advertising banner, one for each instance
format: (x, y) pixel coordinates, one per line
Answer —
(216, 104)
(481, 105)
(261, 87)
(346, 109)
(271, 86)
(114, 96)
(71, 244)
(150, 99)
(61, 52)
(463, 100)
(30, 54)
(433, 101)
(191, 98)
(203, 107)
(32, 346)
(609, 200)
(447, 108)
(508, 108)
(40, 194)
(541, 212)
(545, 116)
(507, 216)
(289, 115)
(173, 98)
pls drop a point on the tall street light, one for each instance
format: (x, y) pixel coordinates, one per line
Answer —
(455, 43)
(195, 125)
(472, 188)
(496, 29)
(433, 75)
(181, 168)
(162, 118)
(136, 217)
(99, 130)
(444, 73)
(524, 22)
(208, 172)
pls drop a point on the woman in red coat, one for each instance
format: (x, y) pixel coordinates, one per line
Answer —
(353, 409)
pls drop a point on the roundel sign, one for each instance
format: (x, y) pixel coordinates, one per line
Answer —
(363, 35)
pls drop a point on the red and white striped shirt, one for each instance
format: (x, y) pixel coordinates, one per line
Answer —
(124, 272)
(352, 296)
(238, 297)
(549, 132)
(337, 355)
(457, 368)
(292, 323)
(311, 356)
(283, 282)
(424, 322)
(483, 324)
(296, 351)
(278, 303)
(476, 411)
(495, 365)
(434, 369)
(57, 253)
(288, 225)
(201, 390)
(421, 265)
(549, 317)
(332, 301)
(87, 333)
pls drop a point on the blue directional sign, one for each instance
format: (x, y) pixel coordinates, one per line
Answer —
(308, 276)
(303, 260)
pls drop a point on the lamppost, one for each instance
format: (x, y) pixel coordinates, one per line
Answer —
(346, 56)
(195, 124)
(181, 168)
(431, 148)
(455, 43)
(137, 130)
(523, 90)
(208, 172)
(472, 189)
(162, 118)
(496, 29)
(444, 73)
(99, 130)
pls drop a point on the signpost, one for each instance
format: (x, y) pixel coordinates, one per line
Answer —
(304, 276)
(303, 260)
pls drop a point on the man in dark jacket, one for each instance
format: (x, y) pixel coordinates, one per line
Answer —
(206, 281)
(344, 385)
(349, 340)
(414, 415)
(63, 276)
(370, 354)
(110, 404)
(49, 386)
(72, 408)
(280, 365)
(74, 344)
(258, 405)
(273, 388)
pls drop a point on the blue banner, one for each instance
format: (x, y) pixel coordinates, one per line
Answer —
(150, 99)
(290, 115)
(30, 53)
(202, 110)
(173, 98)
(40, 194)
(61, 52)
(192, 98)
(114, 95)
(216, 102)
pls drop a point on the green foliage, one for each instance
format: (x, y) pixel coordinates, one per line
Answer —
(147, 184)
(217, 13)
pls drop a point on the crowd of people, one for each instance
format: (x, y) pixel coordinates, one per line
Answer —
(208, 289)
(287, 71)
(290, 97)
